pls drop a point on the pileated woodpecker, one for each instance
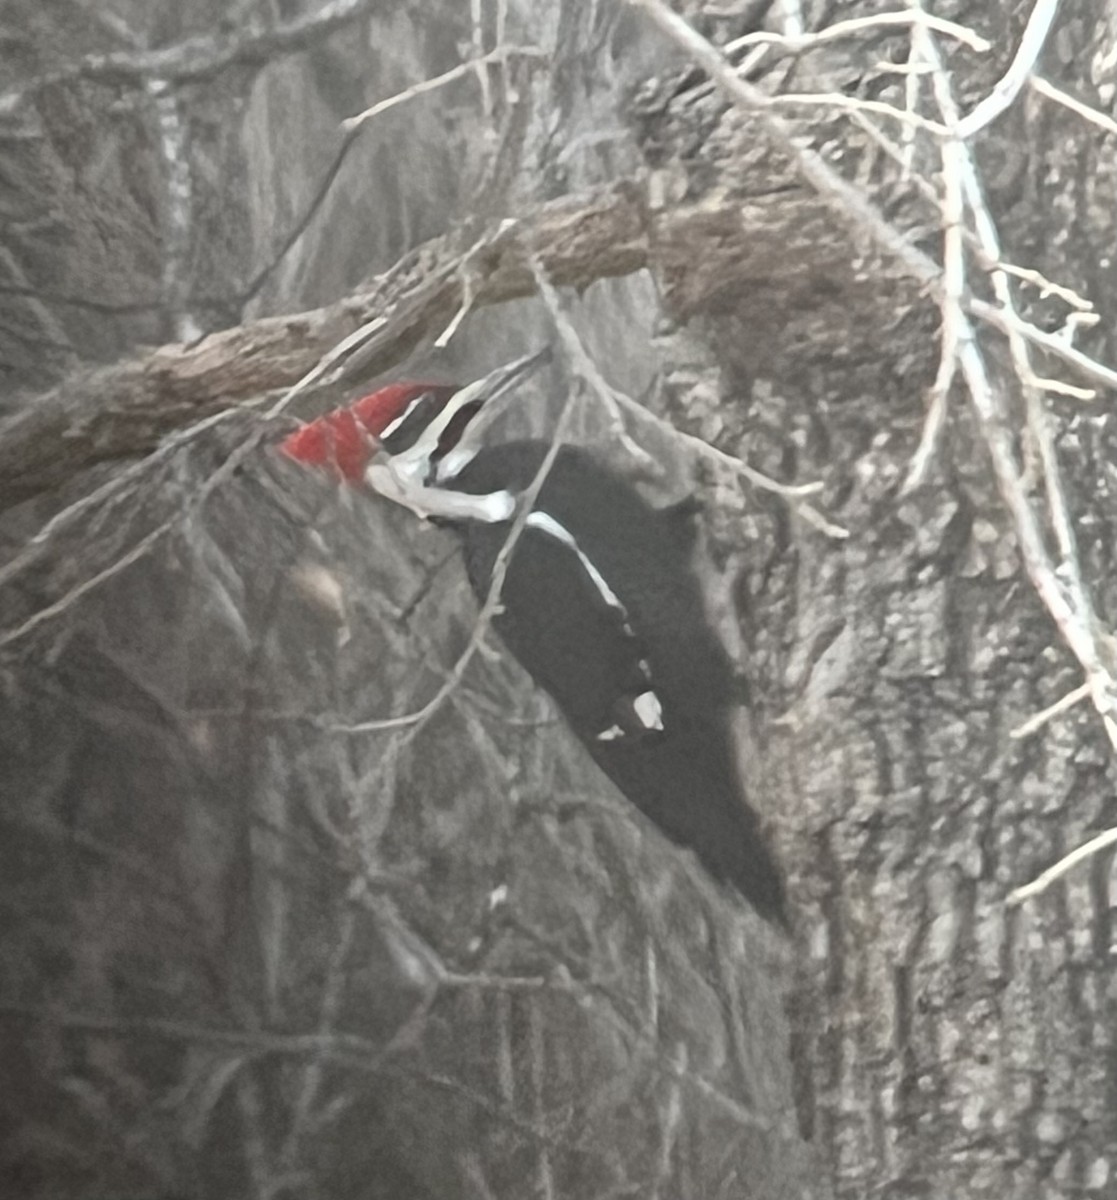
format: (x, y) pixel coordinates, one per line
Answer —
(599, 602)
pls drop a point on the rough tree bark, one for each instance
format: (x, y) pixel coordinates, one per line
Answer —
(301, 896)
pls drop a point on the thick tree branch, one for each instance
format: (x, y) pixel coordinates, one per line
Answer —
(776, 247)
(125, 410)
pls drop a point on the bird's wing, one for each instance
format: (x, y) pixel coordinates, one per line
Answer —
(568, 626)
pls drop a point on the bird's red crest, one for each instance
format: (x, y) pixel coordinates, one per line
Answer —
(345, 439)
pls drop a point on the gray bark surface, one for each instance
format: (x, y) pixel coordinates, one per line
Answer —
(253, 945)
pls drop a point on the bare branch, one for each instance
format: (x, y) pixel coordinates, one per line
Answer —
(1070, 610)
(1086, 111)
(1021, 67)
(127, 409)
(856, 25)
(856, 104)
(1009, 322)
(500, 54)
(1042, 882)
(87, 585)
(1033, 724)
(954, 287)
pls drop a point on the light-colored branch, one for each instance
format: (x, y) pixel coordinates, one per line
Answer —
(1042, 882)
(1039, 281)
(954, 287)
(857, 104)
(1037, 722)
(71, 597)
(1071, 615)
(859, 25)
(476, 18)
(500, 54)
(1009, 323)
(1060, 584)
(1095, 116)
(1009, 85)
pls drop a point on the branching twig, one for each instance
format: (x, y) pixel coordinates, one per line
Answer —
(72, 596)
(1018, 73)
(1033, 724)
(1042, 882)
(500, 54)
(1010, 323)
(857, 25)
(1086, 111)
(414, 721)
(1060, 586)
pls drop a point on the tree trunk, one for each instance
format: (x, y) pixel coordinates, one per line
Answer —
(306, 895)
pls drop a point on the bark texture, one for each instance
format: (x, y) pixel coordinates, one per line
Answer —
(257, 941)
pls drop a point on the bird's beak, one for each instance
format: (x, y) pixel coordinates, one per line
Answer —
(496, 383)
(481, 395)
(455, 437)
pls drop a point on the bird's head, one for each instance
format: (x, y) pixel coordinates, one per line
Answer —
(423, 432)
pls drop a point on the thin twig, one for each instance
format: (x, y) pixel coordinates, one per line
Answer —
(67, 601)
(467, 274)
(1042, 882)
(1060, 586)
(1039, 281)
(415, 720)
(954, 288)
(1010, 322)
(500, 54)
(857, 104)
(587, 369)
(1008, 86)
(856, 25)
(1037, 722)
(327, 368)
(1044, 88)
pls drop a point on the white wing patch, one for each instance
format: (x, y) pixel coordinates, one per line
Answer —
(648, 710)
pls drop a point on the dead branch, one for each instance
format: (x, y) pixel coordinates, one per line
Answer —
(127, 409)
(697, 251)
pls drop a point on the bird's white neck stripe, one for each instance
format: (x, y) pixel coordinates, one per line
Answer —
(397, 482)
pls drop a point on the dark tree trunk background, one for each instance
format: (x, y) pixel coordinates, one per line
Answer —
(256, 941)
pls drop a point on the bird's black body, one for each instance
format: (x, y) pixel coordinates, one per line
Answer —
(600, 637)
